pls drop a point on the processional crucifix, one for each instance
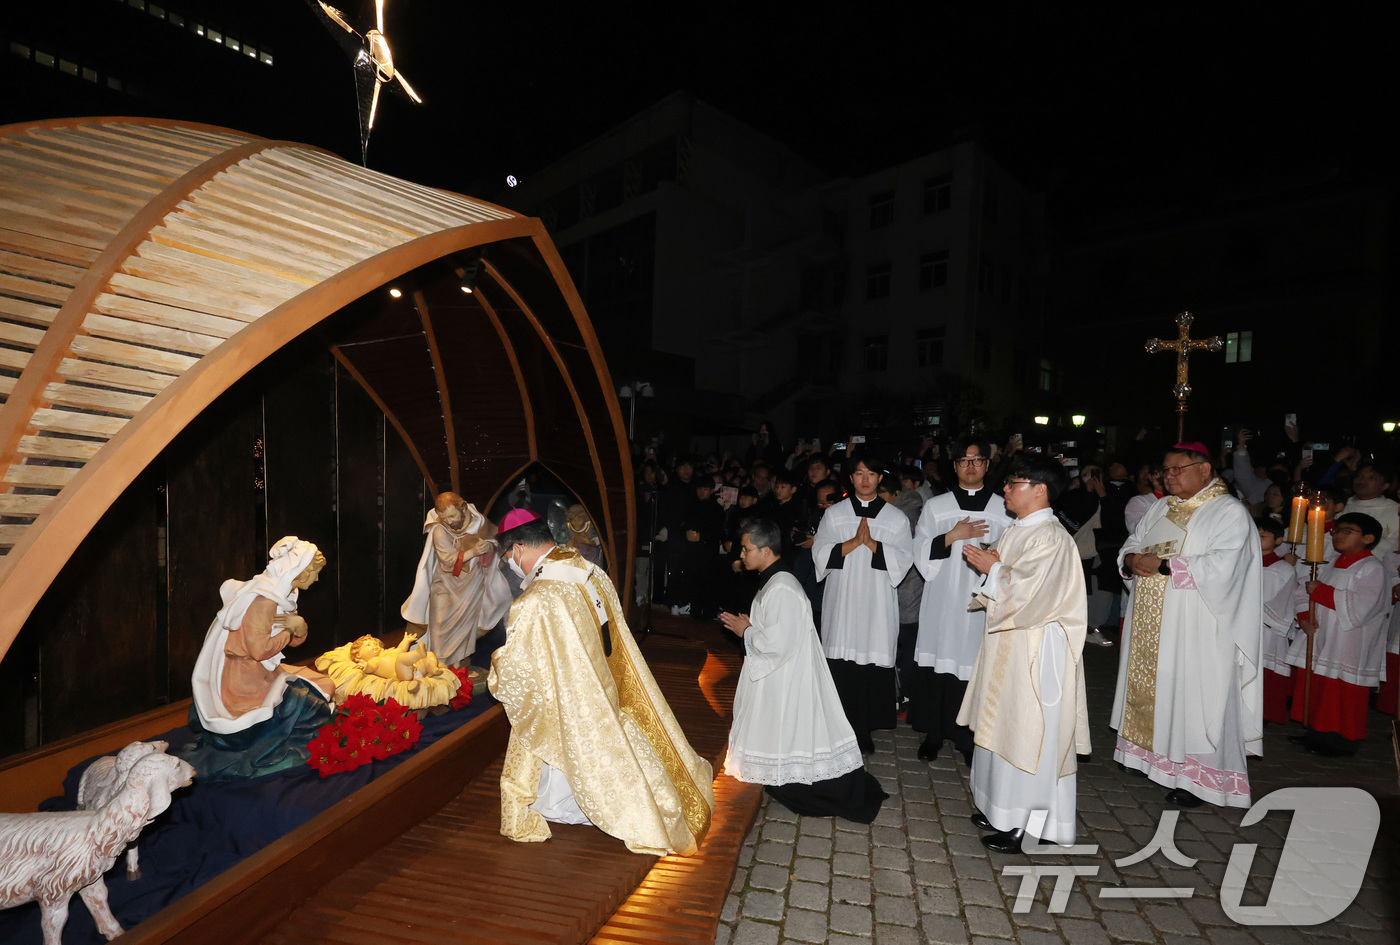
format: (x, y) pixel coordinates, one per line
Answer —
(1183, 346)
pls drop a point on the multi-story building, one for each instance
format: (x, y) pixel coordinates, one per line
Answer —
(744, 283)
(1290, 273)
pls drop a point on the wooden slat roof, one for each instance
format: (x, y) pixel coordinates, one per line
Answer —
(146, 265)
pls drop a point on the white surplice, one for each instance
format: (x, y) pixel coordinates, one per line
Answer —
(1350, 640)
(789, 727)
(1280, 584)
(950, 634)
(860, 609)
(1208, 709)
(1025, 701)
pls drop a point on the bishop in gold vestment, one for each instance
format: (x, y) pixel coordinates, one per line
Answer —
(584, 706)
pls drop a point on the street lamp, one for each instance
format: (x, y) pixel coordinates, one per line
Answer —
(1388, 426)
(630, 392)
(1077, 419)
(1042, 421)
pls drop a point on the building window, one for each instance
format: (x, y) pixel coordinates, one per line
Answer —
(877, 281)
(176, 19)
(19, 49)
(155, 11)
(1047, 374)
(1239, 347)
(69, 67)
(838, 285)
(928, 347)
(982, 349)
(938, 193)
(876, 351)
(991, 200)
(89, 74)
(882, 210)
(933, 270)
(986, 275)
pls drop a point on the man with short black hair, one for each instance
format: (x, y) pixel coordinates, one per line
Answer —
(1189, 703)
(950, 636)
(861, 551)
(1025, 698)
(790, 733)
(592, 739)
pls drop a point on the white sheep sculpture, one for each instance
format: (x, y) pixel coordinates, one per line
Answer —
(46, 857)
(105, 777)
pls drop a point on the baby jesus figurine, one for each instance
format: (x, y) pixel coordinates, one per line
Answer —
(414, 677)
(400, 663)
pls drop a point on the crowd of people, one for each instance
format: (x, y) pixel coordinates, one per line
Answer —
(927, 578)
(955, 586)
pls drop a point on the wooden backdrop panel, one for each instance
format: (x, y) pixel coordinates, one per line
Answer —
(359, 472)
(98, 642)
(299, 425)
(213, 521)
(405, 505)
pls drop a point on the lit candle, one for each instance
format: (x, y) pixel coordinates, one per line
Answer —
(1298, 522)
(1317, 519)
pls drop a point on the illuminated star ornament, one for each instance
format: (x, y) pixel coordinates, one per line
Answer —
(373, 62)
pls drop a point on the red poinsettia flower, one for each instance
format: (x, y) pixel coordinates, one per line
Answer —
(391, 709)
(463, 697)
(324, 751)
(359, 702)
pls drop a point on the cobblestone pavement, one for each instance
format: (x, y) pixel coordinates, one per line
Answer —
(919, 873)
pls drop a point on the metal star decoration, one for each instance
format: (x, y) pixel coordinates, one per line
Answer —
(372, 60)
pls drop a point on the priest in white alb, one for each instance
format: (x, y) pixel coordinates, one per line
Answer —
(862, 550)
(949, 634)
(1025, 698)
(1188, 708)
(789, 731)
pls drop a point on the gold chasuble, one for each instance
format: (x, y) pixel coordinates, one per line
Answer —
(1140, 701)
(598, 718)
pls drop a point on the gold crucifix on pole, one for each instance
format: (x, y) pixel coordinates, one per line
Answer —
(1183, 346)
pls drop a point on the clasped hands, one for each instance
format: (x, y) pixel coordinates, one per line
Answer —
(980, 558)
(734, 623)
(296, 626)
(1145, 565)
(862, 537)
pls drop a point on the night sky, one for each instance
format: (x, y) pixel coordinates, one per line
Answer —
(1100, 106)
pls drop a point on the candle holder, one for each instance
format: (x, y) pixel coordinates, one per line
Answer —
(1315, 555)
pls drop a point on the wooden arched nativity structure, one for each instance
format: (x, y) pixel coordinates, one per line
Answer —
(147, 266)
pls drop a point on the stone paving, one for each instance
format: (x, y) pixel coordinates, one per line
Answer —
(920, 875)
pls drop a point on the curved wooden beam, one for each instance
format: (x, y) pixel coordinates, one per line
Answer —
(565, 282)
(388, 415)
(420, 304)
(519, 380)
(573, 393)
(29, 568)
(21, 127)
(42, 368)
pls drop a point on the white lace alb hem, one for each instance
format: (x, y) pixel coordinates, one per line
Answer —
(786, 769)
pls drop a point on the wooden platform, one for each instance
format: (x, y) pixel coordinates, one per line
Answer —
(454, 878)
